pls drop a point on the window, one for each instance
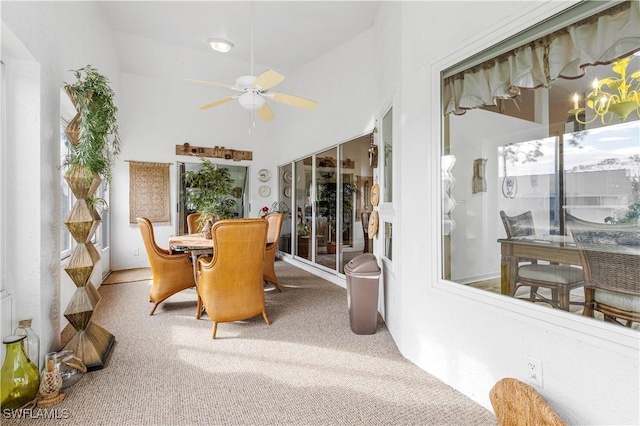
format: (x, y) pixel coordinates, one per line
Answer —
(386, 210)
(548, 154)
(330, 192)
(3, 126)
(387, 145)
(66, 196)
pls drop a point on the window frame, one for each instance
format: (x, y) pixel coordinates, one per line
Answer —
(386, 209)
(4, 286)
(596, 333)
(65, 252)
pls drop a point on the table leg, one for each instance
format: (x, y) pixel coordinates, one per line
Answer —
(194, 260)
(508, 273)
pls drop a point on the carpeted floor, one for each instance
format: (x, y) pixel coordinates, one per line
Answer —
(306, 368)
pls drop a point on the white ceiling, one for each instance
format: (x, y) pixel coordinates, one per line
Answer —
(287, 34)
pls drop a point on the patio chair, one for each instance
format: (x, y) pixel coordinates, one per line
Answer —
(273, 238)
(192, 223)
(230, 284)
(610, 257)
(560, 279)
(172, 273)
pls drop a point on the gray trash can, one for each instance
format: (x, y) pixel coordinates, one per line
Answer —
(363, 276)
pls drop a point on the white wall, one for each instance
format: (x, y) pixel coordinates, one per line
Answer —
(466, 337)
(57, 37)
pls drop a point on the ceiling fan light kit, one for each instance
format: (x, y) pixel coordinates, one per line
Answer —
(255, 93)
(220, 45)
(251, 101)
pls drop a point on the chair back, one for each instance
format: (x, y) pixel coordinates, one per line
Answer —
(610, 257)
(516, 403)
(575, 223)
(231, 285)
(518, 226)
(192, 223)
(146, 230)
(275, 226)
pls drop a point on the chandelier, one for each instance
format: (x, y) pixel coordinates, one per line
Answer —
(617, 100)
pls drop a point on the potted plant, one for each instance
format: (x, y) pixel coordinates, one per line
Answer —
(93, 144)
(92, 135)
(210, 191)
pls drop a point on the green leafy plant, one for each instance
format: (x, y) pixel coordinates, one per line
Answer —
(210, 191)
(98, 142)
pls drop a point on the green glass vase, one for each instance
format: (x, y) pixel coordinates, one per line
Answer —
(20, 377)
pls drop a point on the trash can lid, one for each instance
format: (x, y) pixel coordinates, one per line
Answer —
(363, 265)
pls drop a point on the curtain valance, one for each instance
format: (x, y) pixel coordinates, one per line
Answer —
(599, 39)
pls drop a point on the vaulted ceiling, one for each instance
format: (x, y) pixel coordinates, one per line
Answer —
(287, 34)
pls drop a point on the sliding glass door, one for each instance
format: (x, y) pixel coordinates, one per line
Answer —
(330, 194)
(237, 173)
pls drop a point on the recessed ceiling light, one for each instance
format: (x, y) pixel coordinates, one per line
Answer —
(220, 44)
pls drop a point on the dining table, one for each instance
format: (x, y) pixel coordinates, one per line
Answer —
(197, 246)
(194, 244)
(560, 249)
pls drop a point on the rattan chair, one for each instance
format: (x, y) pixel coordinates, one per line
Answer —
(230, 284)
(518, 404)
(560, 279)
(172, 273)
(610, 257)
(273, 239)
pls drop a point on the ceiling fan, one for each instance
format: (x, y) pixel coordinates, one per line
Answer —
(256, 92)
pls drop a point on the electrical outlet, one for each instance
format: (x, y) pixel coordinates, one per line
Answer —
(136, 252)
(533, 373)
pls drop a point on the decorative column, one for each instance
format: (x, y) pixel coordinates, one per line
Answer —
(91, 343)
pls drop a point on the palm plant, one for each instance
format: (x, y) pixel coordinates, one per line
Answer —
(93, 141)
(211, 191)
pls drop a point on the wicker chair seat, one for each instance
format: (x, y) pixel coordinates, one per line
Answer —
(559, 274)
(621, 301)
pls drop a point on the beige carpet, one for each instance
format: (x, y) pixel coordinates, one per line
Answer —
(306, 368)
(128, 275)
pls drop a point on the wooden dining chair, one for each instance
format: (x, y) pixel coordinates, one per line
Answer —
(516, 403)
(559, 279)
(230, 284)
(273, 238)
(172, 273)
(610, 255)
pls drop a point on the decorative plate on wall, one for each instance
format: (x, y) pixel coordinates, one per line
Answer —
(264, 191)
(373, 224)
(287, 191)
(286, 176)
(237, 192)
(375, 194)
(264, 175)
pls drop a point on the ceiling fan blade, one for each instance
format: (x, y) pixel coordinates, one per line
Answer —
(265, 112)
(218, 102)
(295, 101)
(268, 79)
(212, 83)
